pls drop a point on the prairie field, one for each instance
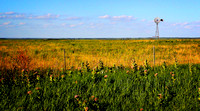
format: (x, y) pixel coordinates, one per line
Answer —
(100, 75)
(50, 53)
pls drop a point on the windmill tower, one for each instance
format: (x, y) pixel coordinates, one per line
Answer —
(157, 21)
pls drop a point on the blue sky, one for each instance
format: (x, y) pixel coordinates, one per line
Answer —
(98, 18)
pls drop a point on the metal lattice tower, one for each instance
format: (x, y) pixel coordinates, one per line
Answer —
(157, 21)
(157, 31)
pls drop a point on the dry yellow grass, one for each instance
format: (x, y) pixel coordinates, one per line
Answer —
(49, 53)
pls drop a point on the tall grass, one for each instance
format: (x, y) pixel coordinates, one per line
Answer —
(174, 87)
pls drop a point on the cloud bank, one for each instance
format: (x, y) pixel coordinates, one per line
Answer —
(121, 17)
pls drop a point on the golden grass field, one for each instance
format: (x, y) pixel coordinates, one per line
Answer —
(50, 53)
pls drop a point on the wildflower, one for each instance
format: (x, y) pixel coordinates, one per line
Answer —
(95, 99)
(76, 96)
(22, 70)
(29, 92)
(79, 68)
(127, 71)
(141, 109)
(173, 75)
(145, 72)
(132, 67)
(37, 88)
(38, 77)
(160, 96)
(92, 96)
(63, 76)
(105, 76)
(155, 74)
(76, 82)
(51, 77)
(86, 108)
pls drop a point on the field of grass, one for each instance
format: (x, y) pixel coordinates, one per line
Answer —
(49, 53)
(174, 87)
(100, 75)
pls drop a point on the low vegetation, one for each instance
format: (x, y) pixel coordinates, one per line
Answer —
(174, 87)
(100, 75)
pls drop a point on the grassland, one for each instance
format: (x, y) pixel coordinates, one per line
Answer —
(174, 87)
(49, 53)
(100, 75)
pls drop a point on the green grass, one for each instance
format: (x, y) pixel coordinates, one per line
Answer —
(176, 87)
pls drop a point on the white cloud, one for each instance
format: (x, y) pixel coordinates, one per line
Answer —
(22, 23)
(180, 24)
(81, 23)
(187, 27)
(48, 16)
(14, 15)
(63, 24)
(121, 17)
(9, 13)
(6, 23)
(104, 17)
(73, 18)
(72, 25)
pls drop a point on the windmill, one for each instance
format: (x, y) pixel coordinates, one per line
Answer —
(157, 21)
